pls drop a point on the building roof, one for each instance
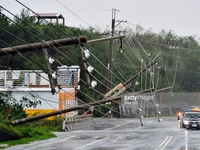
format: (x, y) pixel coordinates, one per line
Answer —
(49, 15)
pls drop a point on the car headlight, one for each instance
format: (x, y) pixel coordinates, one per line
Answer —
(185, 122)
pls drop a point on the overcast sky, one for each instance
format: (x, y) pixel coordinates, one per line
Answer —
(180, 16)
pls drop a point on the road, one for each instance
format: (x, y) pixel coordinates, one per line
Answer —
(122, 134)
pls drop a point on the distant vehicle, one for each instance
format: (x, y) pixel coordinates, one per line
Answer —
(181, 112)
(190, 120)
(195, 108)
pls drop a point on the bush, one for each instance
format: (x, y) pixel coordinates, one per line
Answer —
(11, 109)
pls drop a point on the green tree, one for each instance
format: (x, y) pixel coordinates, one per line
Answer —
(10, 108)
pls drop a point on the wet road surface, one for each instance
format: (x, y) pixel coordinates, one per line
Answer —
(122, 134)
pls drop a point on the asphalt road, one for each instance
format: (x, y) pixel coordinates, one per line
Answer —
(122, 134)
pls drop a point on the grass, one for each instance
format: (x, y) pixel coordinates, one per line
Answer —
(30, 132)
(47, 135)
(26, 140)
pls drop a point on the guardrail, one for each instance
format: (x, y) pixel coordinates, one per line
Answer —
(77, 122)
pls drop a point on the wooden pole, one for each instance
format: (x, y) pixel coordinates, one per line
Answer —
(41, 45)
(84, 106)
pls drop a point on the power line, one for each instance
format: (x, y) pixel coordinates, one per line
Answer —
(72, 12)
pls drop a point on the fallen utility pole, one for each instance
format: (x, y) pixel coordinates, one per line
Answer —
(143, 70)
(52, 43)
(85, 106)
(121, 87)
(104, 39)
(42, 45)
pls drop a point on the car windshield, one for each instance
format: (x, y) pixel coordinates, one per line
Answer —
(192, 115)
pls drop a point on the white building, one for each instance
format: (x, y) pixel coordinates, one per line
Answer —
(35, 82)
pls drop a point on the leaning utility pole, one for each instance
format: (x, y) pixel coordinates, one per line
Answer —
(83, 106)
(42, 44)
(106, 99)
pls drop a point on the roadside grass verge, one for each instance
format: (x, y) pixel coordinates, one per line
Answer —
(46, 135)
(30, 132)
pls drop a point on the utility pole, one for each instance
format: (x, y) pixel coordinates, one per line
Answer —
(166, 50)
(46, 58)
(163, 71)
(83, 106)
(110, 53)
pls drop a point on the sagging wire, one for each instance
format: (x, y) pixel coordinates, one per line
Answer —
(65, 91)
(37, 73)
(38, 15)
(4, 43)
(30, 26)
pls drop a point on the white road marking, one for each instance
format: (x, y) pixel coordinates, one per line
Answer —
(105, 137)
(118, 126)
(186, 140)
(33, 146)
(91, 143)
(164, 143)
